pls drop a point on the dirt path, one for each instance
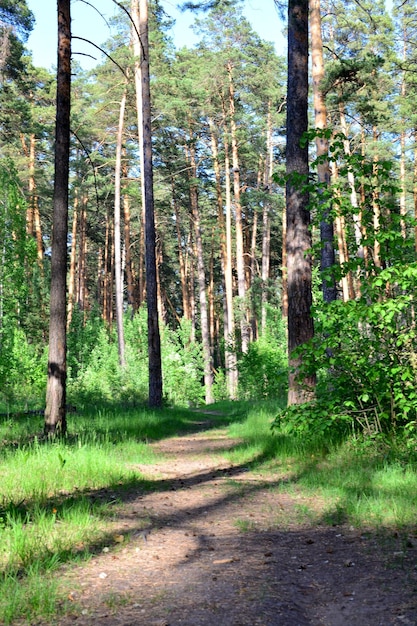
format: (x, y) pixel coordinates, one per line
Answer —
(222, 547)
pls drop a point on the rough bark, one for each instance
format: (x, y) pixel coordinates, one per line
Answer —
(327, 259)
(154, 340)
(299, 276)
(55, 413)
(138, 52)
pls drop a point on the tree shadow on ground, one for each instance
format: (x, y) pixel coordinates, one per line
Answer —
(114, 422)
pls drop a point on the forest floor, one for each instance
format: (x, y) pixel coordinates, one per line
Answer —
(217, 544)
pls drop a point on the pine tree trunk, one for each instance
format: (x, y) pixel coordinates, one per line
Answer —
(226, 259)
(230, 340)
(266, 221)
(154, 340)
(240, 260)
(181, 257)
(299, 274)
(403, 207)
(327, 260)
(55, 411)
(201, 276)
(252, 273)
(137, 51)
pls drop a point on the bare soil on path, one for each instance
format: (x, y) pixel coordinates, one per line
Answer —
(221, 545)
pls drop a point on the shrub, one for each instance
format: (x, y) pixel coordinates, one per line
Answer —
(263, 368)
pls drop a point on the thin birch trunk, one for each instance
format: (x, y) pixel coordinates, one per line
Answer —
(415, 188)
(130, 276)
(376, 209)
(347, 282)
(73, 258)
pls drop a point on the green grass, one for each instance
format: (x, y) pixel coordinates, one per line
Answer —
(363, 485)
(60, 502)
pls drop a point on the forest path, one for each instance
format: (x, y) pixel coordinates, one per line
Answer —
(218, 544)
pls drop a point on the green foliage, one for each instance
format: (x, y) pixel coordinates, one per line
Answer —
(21, 364)
(364, 351)
(101, 377)
(23, 369)
(81, 339)
(182, 367)
(96, 373)
(263, 368)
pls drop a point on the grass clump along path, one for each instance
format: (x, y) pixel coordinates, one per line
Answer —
(187, 517)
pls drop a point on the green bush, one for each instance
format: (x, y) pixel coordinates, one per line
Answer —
(364, 351)
(263, 371)
(99, 375)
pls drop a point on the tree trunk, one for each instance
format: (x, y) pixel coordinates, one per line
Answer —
(327, 260)
(240, 260)
(284, 287)
(138, 52)
(403, 207)
(230, 340)
(55, 413)
(347, 281)
(117, 235)
(201, 276)
(299, 275)
(253, 270)
(82, 256)
(108, 308)
(186, 308)
(224, 227)
(266, 221)
(73, 258)
(130, 275)
(154, 340)
(376, 207)
(415, 188)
